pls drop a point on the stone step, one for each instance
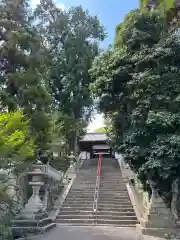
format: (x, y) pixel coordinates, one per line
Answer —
(114, 201)
(81, 191)
(101, 198)
(115, 196)
(112, 192)
(114, 187)
(21, 231)
(81, 194)
(100, 206)
(116, 206)
(114, 217)
(130, 212)
(102, 221)
(117, 222)
(77, 208)
(32, 223)
(106, 179)
(100, 217)
(83, 186)
(90, 196)
(78, 205)
(79, 198)
(117, 193)
(77, 216)
(78, 189)
(82, 202)
(94, 224)
(102, 213)
(86, 179)
(85, 209)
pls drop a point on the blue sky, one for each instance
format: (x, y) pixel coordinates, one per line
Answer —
(110, 13)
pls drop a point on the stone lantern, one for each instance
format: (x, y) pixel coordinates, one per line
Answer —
(35, 205)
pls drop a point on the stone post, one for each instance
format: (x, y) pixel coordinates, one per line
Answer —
(12, 187)
(35, 204)
(157, 219)
(45, 199)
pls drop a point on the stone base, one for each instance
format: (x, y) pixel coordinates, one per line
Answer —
(31, 216)
(23, 228)
(155, 232)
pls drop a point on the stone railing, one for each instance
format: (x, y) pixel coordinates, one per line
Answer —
(46, 183)
(139, 197)
(43, 186)
(52, 172)
(153, 215)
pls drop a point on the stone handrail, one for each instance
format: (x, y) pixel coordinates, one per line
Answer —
(48, 171)
(139, 197)
(46, 183)
(57, 175)
(153, 215)
(51, 180)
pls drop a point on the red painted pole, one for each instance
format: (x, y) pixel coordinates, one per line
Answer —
(99, 164)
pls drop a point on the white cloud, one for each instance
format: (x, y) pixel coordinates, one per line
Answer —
(59, 5)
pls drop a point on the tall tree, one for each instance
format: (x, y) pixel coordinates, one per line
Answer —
(23, 66)
(137, 82)
(72, 39)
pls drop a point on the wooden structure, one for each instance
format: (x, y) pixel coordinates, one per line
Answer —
(95, 143)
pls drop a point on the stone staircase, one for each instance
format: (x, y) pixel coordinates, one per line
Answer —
(114, 205)
(77, 208)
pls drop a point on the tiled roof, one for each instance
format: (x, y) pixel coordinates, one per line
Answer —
(93, 137)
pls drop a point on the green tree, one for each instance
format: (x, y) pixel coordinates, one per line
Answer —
(23, 67)
(102, 129)
(16, 151)
(64, 128)
(137, 82)
(16, 145)
(71, 38)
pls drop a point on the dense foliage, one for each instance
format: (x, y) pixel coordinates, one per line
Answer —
(45, 57)
(16, 153)
(71, 38)
(22, 68)
(137, 82)
(16, 145)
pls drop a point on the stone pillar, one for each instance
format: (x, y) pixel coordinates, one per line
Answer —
(35, 204)
(45, 199)
(12, 187)
(157, 219)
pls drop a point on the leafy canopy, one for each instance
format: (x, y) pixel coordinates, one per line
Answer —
(16, 145)
(137, 82)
